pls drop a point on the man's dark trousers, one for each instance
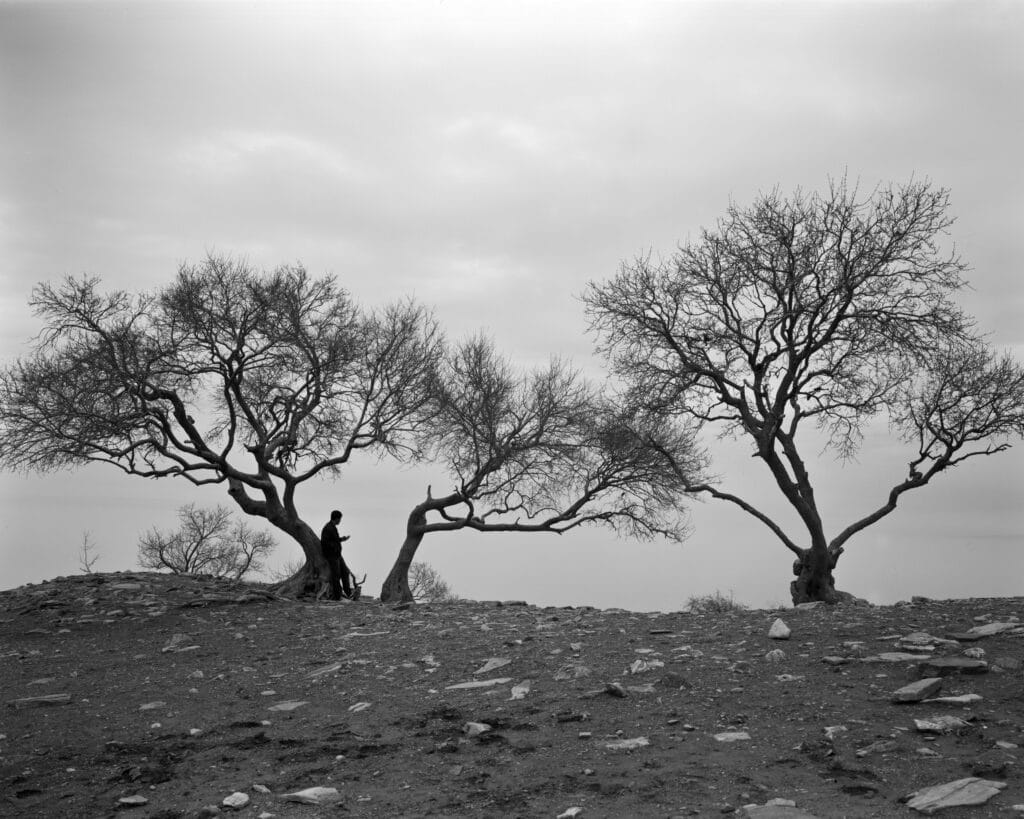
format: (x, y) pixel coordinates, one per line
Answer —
(339, 576)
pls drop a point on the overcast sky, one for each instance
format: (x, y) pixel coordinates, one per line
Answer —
(491, 159)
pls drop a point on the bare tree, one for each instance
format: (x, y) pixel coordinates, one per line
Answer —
(427, 586)
(259, 381)
(815, 310)
(541, 452)
(206, 542)
(86, 553)
(287, 570)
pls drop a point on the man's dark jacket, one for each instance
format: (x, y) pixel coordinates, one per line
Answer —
(330, 540)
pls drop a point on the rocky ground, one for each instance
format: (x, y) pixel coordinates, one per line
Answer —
(150, 695)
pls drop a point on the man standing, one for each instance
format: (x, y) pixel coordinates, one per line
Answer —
(330, 545)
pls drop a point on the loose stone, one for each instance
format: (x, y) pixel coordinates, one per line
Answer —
(969, 791)
(917, 691)
(312, 796)
(236, 801)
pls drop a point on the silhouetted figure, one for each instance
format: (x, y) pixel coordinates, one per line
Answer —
(330, 544)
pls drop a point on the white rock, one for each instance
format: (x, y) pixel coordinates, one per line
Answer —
(779, 630)
(237, 800)
(572, 671)
(260, 788)
(628, 744)
(359, 706)
(479, 683)
(291, 705)
(776, 655)
(312, 796)
(569, 813)
(520, 691)
(643, 666)
(474, 729)
(939, 725)
(732, 736)
(328, 669)
(968, 791)
(989, 629)
(492, 664)
(133, 801)
(960, 699)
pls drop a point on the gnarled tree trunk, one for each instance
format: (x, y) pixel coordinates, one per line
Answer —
(814, 576)
(396, 585)
(313, 579)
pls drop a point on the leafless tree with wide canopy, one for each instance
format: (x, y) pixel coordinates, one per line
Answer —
(824, 310)
(542, 452)
(260, 381)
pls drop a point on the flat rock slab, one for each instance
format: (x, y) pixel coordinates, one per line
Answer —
(492, 664)
(291, 705)
(628, 744)
(896, 657)
(942, 724)
(774, 812)
(45, 699)
(313, 796)
(943, 666)
(479, 683)
(960, 699)
(732, 736)
(980, 632)
(969, 791)
(917, 691)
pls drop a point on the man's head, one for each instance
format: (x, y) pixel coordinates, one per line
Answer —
(335, 516)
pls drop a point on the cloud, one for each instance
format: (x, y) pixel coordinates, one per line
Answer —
(226, 155)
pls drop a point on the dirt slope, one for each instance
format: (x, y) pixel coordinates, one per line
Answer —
(145, 685)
